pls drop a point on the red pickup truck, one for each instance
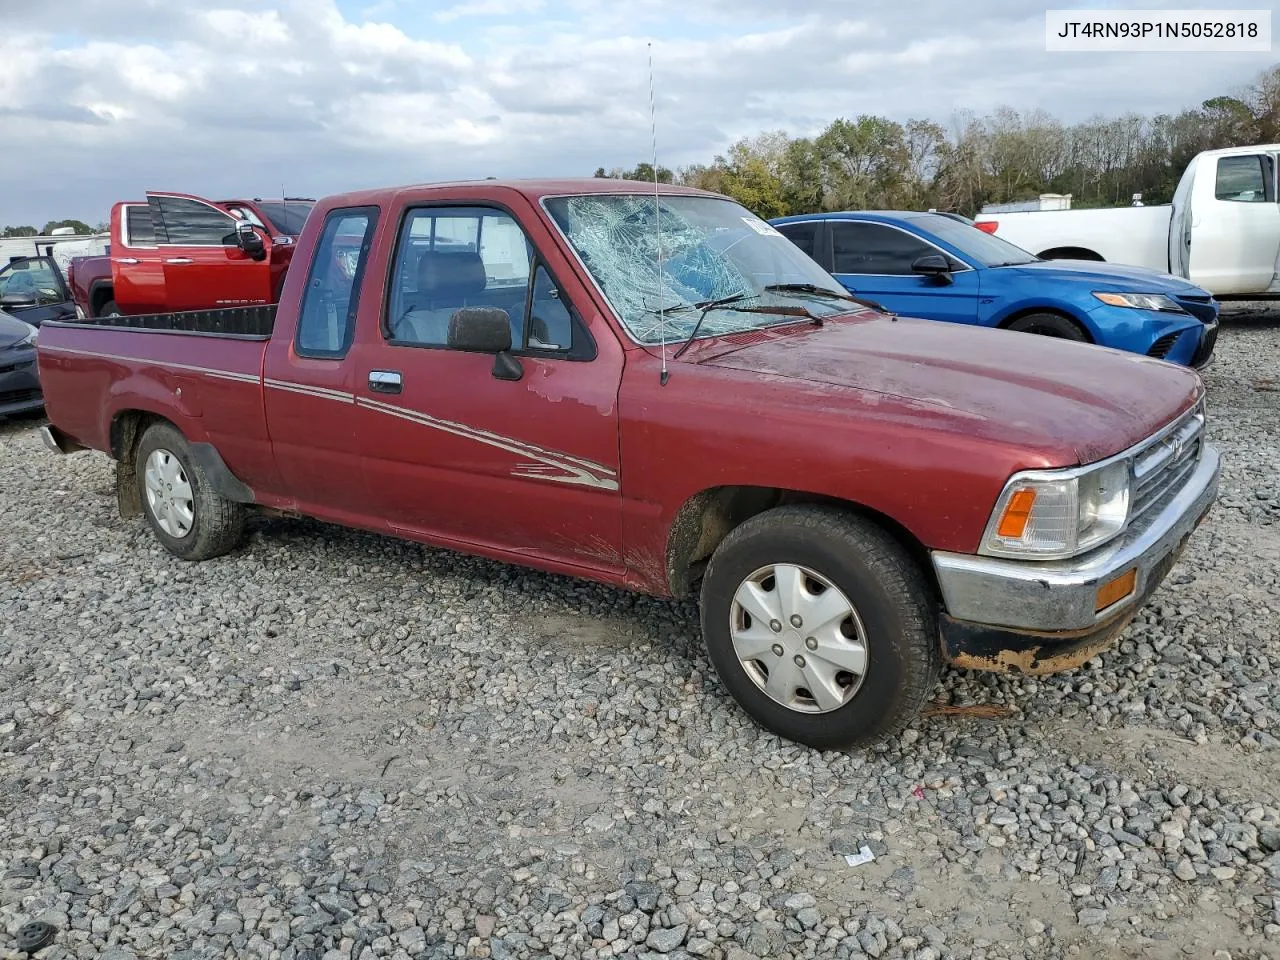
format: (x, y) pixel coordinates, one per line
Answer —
(179, 252)
(658, 391)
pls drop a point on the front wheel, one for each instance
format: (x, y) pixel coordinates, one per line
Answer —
(821, 625)
(1050, 325)
(109, 309)
(188, 518)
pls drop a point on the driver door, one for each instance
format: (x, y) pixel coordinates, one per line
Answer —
(873, 260)
(204, 267)
(32, 289)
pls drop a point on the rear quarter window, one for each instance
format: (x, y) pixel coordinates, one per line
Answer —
(327, 316)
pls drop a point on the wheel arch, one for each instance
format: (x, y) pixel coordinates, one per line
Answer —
(706, 518)
(1091, 335)
(101, 292)
(1071, 252)
(125, 433)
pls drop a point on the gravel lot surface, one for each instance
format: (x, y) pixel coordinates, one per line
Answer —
(332, 745)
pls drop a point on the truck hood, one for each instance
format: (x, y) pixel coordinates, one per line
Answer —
(1045, 393)
(1115, 277)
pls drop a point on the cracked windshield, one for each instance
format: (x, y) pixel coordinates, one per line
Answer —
(711, 250)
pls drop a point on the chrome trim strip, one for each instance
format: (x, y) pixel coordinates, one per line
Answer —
(1060, 595)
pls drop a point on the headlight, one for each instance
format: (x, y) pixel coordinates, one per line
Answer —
(1053, 514)
(30, 339)
(1140, 301)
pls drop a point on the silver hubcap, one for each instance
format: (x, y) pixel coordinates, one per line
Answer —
(169, 494)
(798, 638)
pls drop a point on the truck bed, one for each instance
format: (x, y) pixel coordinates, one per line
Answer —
(1134, 236)
(92, 370)
(252, 323)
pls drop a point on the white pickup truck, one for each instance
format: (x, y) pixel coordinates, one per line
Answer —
(1221, 232)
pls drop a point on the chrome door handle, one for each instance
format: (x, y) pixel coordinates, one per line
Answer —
(179, 260)
(385, 381)
(126, 259)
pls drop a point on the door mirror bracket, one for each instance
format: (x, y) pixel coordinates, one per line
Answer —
(933, 265)
(486, 330)
(248, 240)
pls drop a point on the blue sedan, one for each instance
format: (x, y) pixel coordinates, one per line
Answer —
(940, 268)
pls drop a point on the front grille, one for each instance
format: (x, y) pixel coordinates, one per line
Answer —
(1160, 349)
(1205, 351)
(18, 396)
(1164, 465)
(1204, 309)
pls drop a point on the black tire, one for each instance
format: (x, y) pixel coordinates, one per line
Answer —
(887, 589)
(1049, 325)
(217, 524)
(109, 309)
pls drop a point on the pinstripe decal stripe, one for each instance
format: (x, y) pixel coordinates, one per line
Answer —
(192, 368)
(548, 465)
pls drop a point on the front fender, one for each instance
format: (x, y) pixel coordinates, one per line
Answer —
(1029, 303)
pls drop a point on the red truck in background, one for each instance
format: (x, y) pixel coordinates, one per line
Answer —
(661, 392)
(174, 251)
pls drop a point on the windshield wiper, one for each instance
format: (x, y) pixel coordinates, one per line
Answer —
(807, 288)
(706, 308)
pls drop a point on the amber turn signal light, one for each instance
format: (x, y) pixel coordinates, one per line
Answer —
(1116, 590)
(1016, 514)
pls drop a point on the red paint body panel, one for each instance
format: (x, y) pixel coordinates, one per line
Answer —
(581, 467)
(146, 279)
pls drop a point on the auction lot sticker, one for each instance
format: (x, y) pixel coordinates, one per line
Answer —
(1098, 31)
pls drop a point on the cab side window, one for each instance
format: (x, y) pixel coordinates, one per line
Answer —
(1247, 179)
(328, 315)
(448, 258)
(190, 223)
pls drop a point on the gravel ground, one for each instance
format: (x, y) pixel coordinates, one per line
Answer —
(332, 745)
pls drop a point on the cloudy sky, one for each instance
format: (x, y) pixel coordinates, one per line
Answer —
(100, 101)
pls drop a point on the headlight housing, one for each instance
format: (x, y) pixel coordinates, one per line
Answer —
(1140, 301)
(31, 337)
(1054, 514)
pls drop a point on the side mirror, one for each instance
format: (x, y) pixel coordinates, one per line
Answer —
(932, 265)
(247, 239)
(486, 330)
(18, 301)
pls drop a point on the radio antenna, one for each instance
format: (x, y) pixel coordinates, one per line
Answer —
(657, 222)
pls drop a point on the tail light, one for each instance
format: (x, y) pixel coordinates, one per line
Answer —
(987, 226)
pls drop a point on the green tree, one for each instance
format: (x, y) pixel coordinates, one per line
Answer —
(79, 226)
(23, 231)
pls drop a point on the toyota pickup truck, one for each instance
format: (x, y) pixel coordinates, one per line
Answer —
(1221, 232)
(180, 252)
(658, 391)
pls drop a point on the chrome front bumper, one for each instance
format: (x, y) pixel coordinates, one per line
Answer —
(1059, 597)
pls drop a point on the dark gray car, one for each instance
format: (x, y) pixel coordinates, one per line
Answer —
(19, 379)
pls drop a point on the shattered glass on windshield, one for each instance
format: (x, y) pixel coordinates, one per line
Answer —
(710, 249)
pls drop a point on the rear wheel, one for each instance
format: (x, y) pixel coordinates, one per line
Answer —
(1049, 325)
(821, 626)
(187, 517)
(109, 309)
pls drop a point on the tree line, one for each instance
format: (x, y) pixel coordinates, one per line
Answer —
(79, 226)
(871, 162)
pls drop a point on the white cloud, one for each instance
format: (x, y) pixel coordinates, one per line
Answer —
(233, 96)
